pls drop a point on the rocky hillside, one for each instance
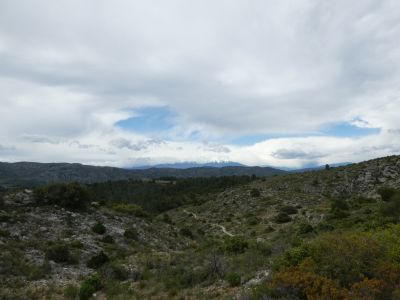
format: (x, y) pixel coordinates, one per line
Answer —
(245, 242)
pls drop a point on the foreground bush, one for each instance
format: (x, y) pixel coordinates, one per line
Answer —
(91, 285)
(352, 265)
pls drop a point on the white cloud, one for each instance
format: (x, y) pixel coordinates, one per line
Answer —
(73, 69)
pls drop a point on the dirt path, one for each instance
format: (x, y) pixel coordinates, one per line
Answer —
(196, 217)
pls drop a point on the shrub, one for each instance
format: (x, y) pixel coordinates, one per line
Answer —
(166, 218)
(339, 208)
(108, 239)
(97, 261)
(347, 257)
(76, 244)
(253, 221)
(233, 279)
(71, 291)
(289, 210)
(114, 271)
(59, 253)
(282, 218)
(185, 231)
(91, 285)
(131, 234)
(255, 193)
(99, 228)
(305, 228)
(235, 245)
(296, 255)
(391, 208)
(387, 193)
(72, 196)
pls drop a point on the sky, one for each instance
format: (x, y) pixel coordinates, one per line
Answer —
(284, 83)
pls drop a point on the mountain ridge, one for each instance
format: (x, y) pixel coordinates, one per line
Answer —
(34, 174)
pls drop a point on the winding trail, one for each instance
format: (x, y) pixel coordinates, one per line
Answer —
(196, 217)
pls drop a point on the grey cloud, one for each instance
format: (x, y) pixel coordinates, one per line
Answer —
(7, 148)
(138, 146)
(224, 68)
(213, 147)
(296, 154)
(40, 139)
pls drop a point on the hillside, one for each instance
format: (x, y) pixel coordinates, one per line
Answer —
(326, 234)
(26, 174)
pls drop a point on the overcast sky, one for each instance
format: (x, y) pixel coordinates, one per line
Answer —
(123, 83)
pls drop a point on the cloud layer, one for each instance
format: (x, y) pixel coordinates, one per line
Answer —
(214, 71)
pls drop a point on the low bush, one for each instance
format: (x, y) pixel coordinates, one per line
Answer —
(114, 271)
(131, 234)
(235, 245)
(97, 260)
(71, 291)
(91, 285)
(59, 253)
(233, 279)
(282, 217)
(387, 193)
(289, 210)
(99, 228)
(255, 193)
(108, 239)
(185, 231)
(305, 228)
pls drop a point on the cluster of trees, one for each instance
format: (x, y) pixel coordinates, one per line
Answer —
(136, 196)
(158, 197)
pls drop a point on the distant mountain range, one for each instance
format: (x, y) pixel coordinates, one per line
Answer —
(189, 164)
(33, 174)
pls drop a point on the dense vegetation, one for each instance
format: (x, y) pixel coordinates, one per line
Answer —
(157, 196)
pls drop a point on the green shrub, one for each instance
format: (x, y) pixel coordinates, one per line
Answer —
(252, 221)
(71, 291)
(339, 208)
(296, 255)
(59, 253)
(282, 217)
(99, 228)
(166, 218)
(97, 260)
(91, 285)
(255, 193)
(235, 245)
(289, 210)
(131, 234)
(305, 228)
(76, 244)
(114, 271)
(233, 279)
(108, 239)
(387, 193)
(72, 196)
(185, 231)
